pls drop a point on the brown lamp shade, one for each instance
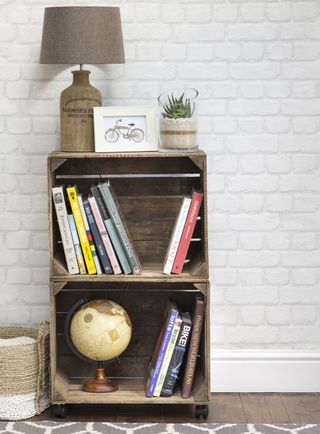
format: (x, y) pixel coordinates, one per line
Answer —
(82, 35)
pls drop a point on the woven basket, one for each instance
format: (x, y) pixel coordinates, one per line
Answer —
(24, 373)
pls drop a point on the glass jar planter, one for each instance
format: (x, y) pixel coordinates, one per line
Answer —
(178, 120)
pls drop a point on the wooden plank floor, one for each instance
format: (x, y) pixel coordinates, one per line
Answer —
(224, 407)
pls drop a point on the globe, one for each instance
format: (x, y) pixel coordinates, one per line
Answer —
(100, 330)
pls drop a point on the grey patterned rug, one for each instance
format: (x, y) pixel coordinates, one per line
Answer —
(49, 427)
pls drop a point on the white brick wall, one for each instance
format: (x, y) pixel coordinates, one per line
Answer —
(257, 67)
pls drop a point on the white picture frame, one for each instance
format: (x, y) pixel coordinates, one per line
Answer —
(125, 129)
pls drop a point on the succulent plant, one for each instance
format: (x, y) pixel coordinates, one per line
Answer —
(178, 107)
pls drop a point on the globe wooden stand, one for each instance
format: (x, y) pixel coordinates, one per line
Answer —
(100, 384)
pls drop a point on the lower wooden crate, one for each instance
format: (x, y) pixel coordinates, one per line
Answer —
(145, 303)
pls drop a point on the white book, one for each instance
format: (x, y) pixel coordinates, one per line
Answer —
(167, 357)
(66, 237)
(76, 243)
(90, 239)
(176, 235)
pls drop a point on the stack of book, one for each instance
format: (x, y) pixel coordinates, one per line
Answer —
(94, 236)
(182, 233)
(177, 346)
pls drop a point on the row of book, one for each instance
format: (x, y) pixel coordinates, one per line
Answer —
(175, 354)
(94, 236)
(182, 233)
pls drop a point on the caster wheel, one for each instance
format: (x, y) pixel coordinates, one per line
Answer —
(202, 411)
(60, 410)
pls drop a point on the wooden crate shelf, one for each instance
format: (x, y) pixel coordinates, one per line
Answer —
(131, 391)
(149, 187)
(149, 207)
(151, 272)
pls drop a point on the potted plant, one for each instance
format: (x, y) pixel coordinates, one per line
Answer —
(178, 120)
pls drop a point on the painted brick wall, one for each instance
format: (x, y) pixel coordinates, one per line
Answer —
(257, 67)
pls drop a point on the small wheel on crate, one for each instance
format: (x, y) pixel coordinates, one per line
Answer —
(202, 411)
(60, 410)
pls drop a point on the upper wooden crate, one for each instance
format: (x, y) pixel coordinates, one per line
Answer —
(149, 187)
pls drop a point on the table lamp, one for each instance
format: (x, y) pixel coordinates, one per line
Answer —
(80, 35)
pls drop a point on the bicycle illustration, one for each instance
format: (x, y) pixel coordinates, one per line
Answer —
(112, 135)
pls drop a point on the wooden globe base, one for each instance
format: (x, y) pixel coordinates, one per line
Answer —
(100, 384)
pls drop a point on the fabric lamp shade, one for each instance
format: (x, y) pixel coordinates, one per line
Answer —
(82, 35)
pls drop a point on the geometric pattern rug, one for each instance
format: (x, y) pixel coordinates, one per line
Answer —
(50, 427)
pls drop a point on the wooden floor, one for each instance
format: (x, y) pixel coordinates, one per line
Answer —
(224, 407)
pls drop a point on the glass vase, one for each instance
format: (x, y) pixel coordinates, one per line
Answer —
(178, 120)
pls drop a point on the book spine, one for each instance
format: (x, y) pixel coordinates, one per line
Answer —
(97, 238)
(177, 356)
(76, 243)
(167, 357)
(97, 195)
(116, 219)
(89, 235)
(155, 353)
(187, 232)
(117, 246)
(86, 250)
(65, 232)
(111, 231)
(105, 238)
(176, 235)
(197, 321)
(164, 344)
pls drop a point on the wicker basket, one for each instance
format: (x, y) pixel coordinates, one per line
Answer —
(24, 373)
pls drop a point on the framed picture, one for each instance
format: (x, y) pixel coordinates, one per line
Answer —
(125, 129)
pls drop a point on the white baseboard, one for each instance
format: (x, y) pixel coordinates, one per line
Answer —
(265, 371)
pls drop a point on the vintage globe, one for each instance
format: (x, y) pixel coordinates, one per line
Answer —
(100, 330)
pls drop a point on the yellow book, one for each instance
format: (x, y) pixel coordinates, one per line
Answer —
(76, 211)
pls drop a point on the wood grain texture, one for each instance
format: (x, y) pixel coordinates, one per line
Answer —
(255, 408)
(149, 187)
(224, 408)
(264, 408)
(227, 408)
(276, 408)
(130, 392)
(302, 407)
(149, 205)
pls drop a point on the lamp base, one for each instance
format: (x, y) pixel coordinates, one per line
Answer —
(100, 384)
(76, 113)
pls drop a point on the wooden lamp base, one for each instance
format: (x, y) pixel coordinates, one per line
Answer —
(100, 384)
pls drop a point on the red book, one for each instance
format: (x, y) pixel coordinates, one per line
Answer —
(187, 232)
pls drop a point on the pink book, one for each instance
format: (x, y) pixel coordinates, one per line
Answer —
(187, 232)
(104, 235)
